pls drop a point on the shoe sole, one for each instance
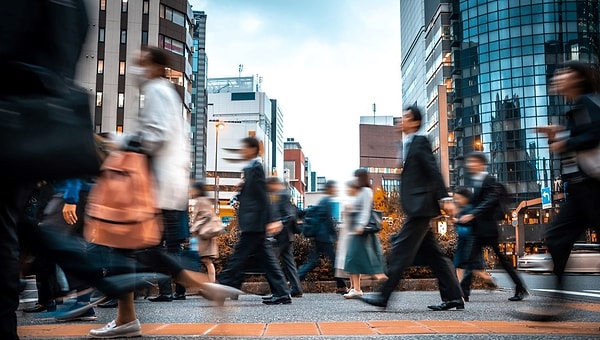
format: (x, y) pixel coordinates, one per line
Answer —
(135, 334)
(277, 303)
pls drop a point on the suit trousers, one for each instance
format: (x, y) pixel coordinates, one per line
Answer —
(172, 220)
(13, 199)
(325, 249)
(492, 242)
(285, 252)
(254, 243)
(579, 211)
(414, 238)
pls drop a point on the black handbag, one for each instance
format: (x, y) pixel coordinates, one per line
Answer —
(46, 128)
(375, 222)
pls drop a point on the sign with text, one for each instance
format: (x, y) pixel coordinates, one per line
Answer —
(546, 198)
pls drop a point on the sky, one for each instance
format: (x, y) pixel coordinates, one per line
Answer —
(325, 61)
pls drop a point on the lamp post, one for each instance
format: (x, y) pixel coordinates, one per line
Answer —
(218, 125)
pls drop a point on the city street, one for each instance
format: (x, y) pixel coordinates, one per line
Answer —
(329, 316)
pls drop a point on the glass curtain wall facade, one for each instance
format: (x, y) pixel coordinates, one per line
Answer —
(504, 54)
(412, 52)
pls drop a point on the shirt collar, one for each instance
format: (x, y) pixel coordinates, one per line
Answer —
(480, 176)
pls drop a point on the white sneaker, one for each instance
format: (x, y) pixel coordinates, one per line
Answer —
(353, 294)
(111, 330)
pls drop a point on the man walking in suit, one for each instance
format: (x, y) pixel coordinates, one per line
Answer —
(255, 222)
(282, 208)
(487, 194)
(421, 190)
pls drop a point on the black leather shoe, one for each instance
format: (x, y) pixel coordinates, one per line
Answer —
(374, 300)
(161, 298)
(341, 290)
(112, 303)
(278, 300)
(458, 304)
(520, 294)
(179, 296)
(466, 298)
(38, 308)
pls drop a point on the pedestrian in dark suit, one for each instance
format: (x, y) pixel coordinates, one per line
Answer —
(255, 222)
(282, 208)
(324, 239)
(487, 193)
(421, 190)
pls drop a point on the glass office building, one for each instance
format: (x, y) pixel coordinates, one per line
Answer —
(504, 54)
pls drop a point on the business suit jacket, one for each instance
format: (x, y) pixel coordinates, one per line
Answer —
(485, 201)
(254, 211)
(326, 232)
(422, 184)
(282, 210)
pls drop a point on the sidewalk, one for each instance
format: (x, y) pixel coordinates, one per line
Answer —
(329, 316)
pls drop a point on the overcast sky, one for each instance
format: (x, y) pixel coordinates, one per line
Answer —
(325, 61)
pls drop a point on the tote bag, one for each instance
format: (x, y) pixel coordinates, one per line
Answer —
(122, 210)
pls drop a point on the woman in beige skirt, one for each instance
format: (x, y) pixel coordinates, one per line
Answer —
(203, 216)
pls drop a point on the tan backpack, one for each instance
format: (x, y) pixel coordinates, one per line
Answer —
(121, 210)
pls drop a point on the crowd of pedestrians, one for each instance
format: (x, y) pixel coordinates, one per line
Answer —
(266, 218)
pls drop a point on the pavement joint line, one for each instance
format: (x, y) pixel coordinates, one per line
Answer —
(210, 329)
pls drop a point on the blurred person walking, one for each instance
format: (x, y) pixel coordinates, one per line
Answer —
(577, 144)
(281, 206)
(364, 254)
(67, 210)
(325, 238)
(47, 34)
(421, 191)
(486, 199)
(162, 135)
(203, 213)
(255, 223)
(466, 267)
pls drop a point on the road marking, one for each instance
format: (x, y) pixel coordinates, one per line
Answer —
(591, 290)
(568, 292)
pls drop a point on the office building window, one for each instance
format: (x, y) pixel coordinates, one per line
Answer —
(146, 7)
(103, 5)
(100, 66)
(99, 99)
(101, 34)
(144, 37)
(121, 68)
(172, 15)
(123, 36)
(121, 100)
(170, 44)
(124, 6)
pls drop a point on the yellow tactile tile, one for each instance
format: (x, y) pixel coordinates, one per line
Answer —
(237, 329)
(346, 328)
(291, 329)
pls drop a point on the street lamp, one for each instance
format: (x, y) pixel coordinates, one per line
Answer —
(218, 126)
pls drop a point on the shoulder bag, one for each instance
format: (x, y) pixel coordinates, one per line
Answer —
(122, 209)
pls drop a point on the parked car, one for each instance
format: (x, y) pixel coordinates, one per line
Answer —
(585, 258)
